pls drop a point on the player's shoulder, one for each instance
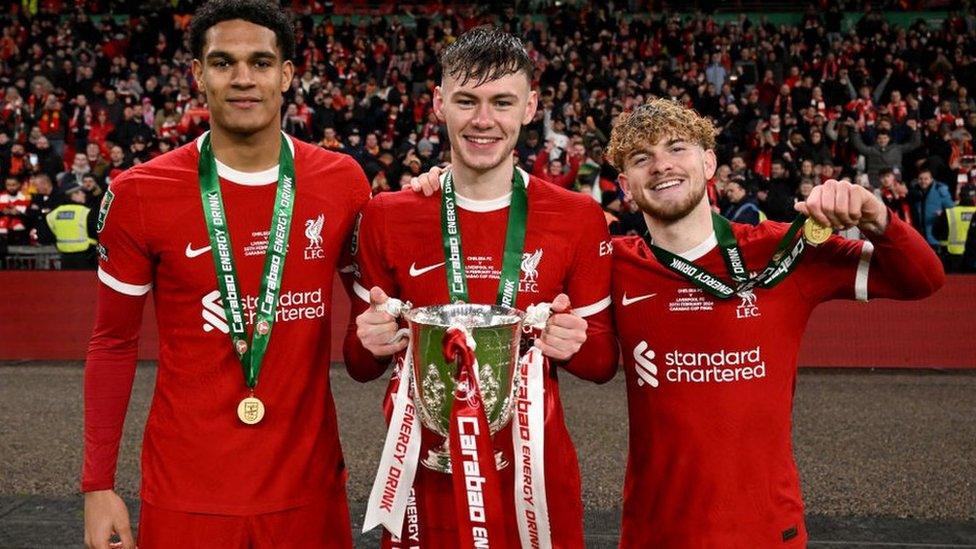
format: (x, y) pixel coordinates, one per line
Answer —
(176, 166)
(571, 203)
(629, 248)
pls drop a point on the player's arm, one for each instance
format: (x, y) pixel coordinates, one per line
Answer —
(125, 274)
(110, 368)
(368, 346)
(895, 262)
(588, 289)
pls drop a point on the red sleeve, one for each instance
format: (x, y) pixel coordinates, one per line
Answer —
(568, 180)
(897, 264)
(371, 270)
(588, 287)
(109, 370)
(903, 265)
(125, 263)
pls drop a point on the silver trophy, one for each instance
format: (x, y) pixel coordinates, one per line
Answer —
(497, 333)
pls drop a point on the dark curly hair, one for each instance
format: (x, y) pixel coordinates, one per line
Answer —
(260, 12)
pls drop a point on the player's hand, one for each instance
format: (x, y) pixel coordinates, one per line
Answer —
(377, 328)
(105, 515)
(428, 183)
(565, 331)
(842, 205)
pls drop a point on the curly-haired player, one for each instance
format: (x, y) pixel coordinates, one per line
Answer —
(710, 315)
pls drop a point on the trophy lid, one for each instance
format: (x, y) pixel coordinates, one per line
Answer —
(469, 315)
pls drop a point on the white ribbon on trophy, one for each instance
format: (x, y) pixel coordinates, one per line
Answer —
(401, 451)
(528, 441)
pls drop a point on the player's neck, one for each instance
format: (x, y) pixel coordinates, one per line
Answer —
(682, 234)
(247, 153)
(483, 185)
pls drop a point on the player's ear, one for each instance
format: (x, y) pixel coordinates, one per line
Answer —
(624, 184)
(439, 103)
(196, 67)
(287, 72)
(530, 107)
(711, 163)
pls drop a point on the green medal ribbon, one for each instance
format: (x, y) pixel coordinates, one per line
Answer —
(274, 259)
(457, 283)
(784, 260)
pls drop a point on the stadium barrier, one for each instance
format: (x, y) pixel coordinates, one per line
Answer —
(48, 315)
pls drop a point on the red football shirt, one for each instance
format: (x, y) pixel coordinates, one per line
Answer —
(567, 250)
(710, 382)
(197, 456)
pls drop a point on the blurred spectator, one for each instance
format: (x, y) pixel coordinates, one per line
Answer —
(894, 193)
(884, 153)
(953, 228)
(73, 226)
(42, 202)
(778, 194)
(13, 212)
(742, 206)
(72, 178)
(929, 198)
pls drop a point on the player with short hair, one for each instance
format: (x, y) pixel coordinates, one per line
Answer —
(238, 235)
(710, 316)
(485, 98)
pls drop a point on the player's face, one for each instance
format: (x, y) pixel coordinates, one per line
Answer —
(667, 179)
(483, 121)
(243, 76)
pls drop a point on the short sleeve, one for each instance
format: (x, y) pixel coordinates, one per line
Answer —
(369, 253)
(588, 286)
(124, 262)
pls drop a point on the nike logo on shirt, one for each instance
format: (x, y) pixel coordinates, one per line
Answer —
(191, 253)
(414, 271)
(629, 300)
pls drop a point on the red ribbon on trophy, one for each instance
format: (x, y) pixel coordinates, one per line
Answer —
(478, 498)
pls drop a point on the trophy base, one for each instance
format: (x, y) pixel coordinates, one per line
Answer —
(439, 459)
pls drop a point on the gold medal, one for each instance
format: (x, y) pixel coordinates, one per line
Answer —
(250, 410)
(263, 327)
(815, 233)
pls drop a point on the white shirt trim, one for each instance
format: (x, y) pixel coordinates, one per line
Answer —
(861, 278)
(593, 309)
(481, 206)
(700, 250)
(134, 290)
(264, 177)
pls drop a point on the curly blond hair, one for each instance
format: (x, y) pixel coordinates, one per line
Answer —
(655, 120)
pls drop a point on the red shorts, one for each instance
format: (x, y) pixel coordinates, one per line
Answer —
(324, 525)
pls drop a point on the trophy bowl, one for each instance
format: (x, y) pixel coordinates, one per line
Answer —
(497, 333)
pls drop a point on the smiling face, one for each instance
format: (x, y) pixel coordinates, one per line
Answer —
(667, 179)
(484, 120)
(243, 76)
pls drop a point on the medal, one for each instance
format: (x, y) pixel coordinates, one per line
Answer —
(250, 410)
(815, 233)
(250, 351)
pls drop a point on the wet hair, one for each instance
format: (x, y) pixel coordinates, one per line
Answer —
(484, 54)
(653, 121)
(263, 13)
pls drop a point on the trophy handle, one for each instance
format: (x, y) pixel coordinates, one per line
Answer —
(400, 334)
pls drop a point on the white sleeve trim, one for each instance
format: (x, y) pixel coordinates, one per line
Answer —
(134, 290)
(861, 278)
(363, 293)
(593, 309)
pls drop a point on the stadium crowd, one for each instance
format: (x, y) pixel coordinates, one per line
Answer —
(793, 105)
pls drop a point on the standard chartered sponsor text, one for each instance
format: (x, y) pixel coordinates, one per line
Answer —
(717, 367)
(296, 305)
